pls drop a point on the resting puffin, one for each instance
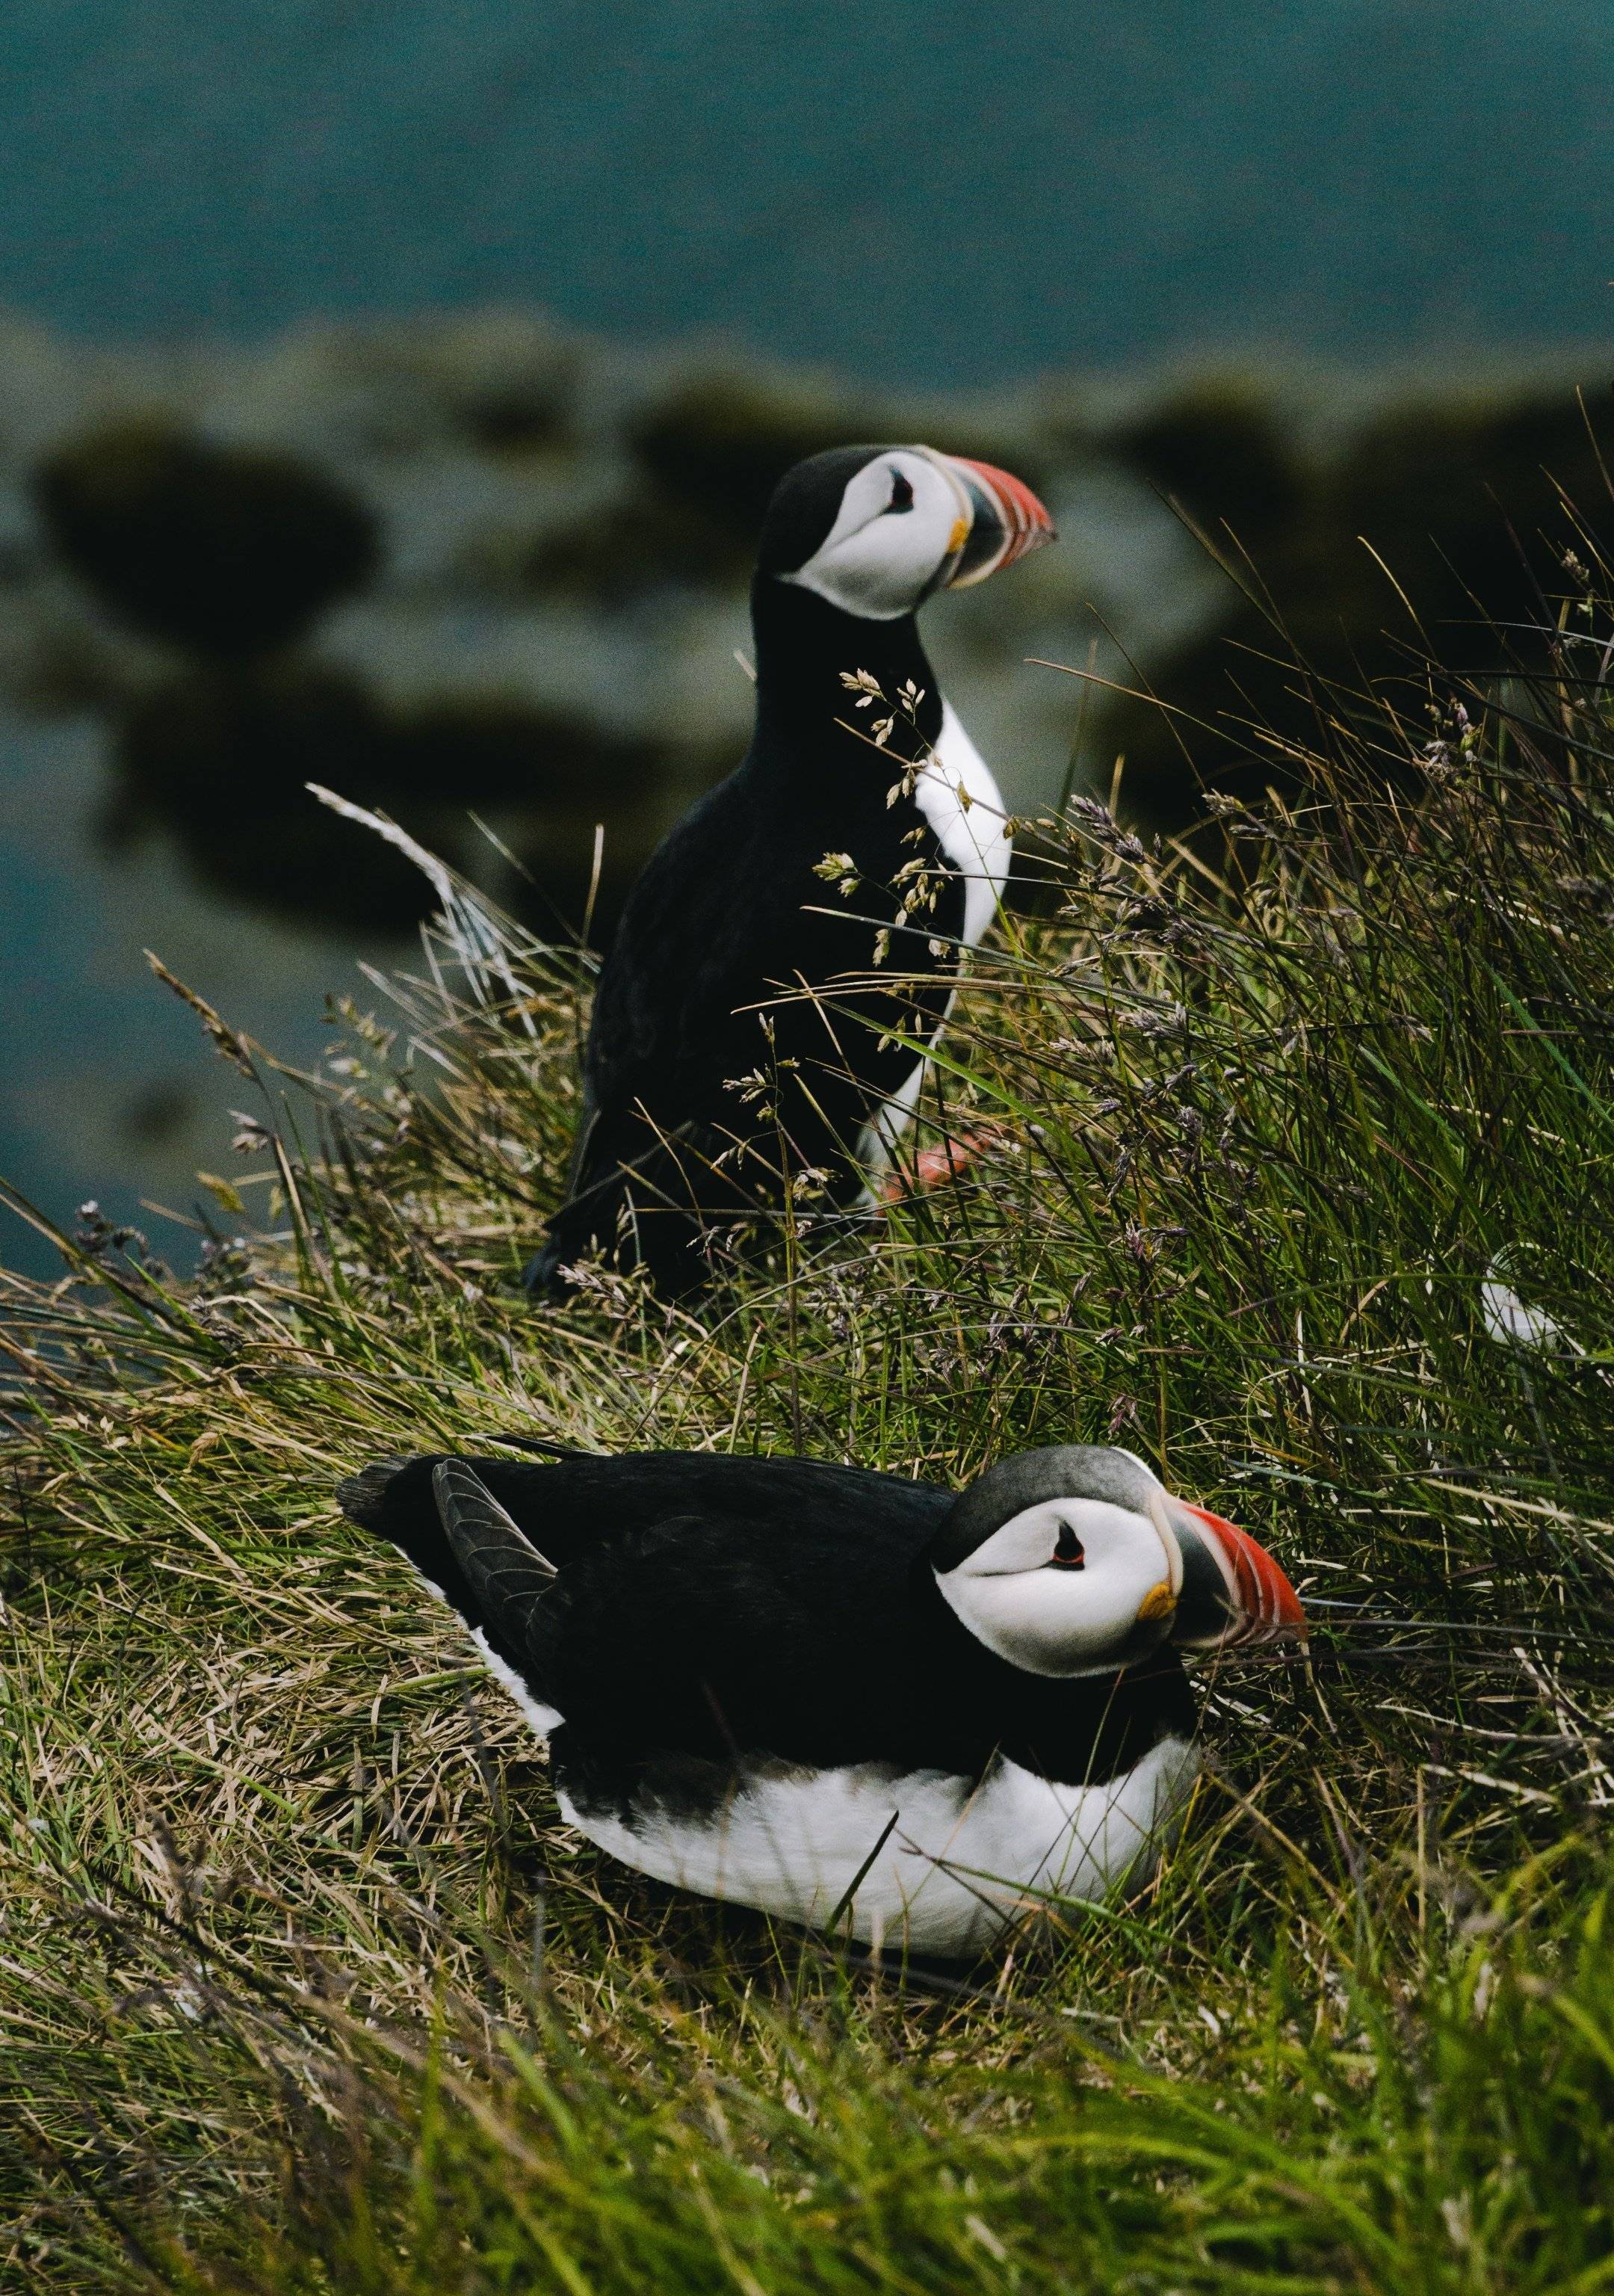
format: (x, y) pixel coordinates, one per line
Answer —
(858, 762)
(846, 1699)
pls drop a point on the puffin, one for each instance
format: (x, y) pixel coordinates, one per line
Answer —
(908, 1717)
(785, 962)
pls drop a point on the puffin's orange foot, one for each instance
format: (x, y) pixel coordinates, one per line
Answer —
(932, 1167)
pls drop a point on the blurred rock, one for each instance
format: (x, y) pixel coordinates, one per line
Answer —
(227, 550)
(220, 759)
(653, 541)
(1221, 447)
(720, 441)
(217, 758)
(1437, 525)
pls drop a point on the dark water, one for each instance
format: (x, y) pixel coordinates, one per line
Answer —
(108, 1089)
(924, 190)
(927, 195)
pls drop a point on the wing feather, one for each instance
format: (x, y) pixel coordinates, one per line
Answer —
(507, 1574)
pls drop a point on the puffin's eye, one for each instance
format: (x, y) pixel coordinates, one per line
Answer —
(1068, 1553)
(902, 492)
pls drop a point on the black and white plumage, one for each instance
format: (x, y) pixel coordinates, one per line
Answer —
(759, 1677)
(733, 912)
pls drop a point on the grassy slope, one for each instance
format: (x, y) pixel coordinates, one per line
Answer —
(305, 1986)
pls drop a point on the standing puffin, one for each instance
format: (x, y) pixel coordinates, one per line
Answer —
(839, 1696)
(836, 878)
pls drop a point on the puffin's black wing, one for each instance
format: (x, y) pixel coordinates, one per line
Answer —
(667, 1032)
(676, 1600)
(507, 1574)
(688, 949)
(731, 915)
(710, 1638)
(454, 1541)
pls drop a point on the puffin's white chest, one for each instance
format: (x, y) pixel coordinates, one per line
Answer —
(961, 801)
(961, 1864)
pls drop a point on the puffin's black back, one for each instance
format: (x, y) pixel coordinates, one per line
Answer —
(708, 1607)
(572, 1505)
(730, 914)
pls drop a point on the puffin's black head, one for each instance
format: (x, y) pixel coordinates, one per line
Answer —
(1079, 1561)
(876, 529)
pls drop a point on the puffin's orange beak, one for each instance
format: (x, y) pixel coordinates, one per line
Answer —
(1249, 1599)
(1006, 521)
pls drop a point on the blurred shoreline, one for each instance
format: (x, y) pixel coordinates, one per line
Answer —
(490, 564)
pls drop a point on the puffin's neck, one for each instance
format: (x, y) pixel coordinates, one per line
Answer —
(803, 646)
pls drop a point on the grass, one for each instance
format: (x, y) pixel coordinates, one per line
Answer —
(303, 1985)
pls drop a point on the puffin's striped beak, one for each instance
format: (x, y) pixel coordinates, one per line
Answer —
(1005, 519)
(1233, 1592)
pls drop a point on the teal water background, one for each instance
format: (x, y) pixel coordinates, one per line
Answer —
(924, 191)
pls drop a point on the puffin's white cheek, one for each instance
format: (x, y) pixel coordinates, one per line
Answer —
(1124, 1583)
(1040, 1621)
(1065, 1622)
(884, 567)
(879, 570)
